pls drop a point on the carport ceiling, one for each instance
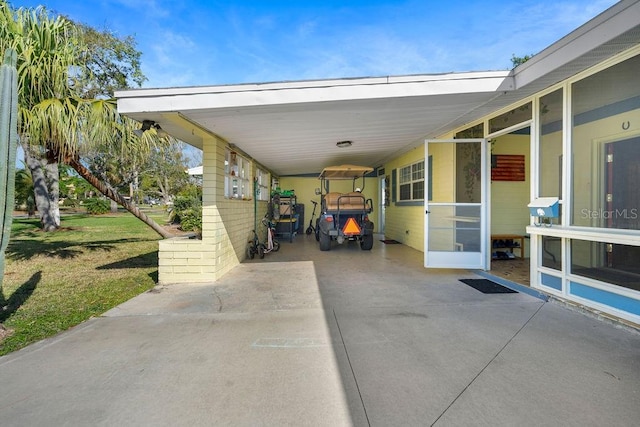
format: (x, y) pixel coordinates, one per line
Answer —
(293, 128)
(301, 138)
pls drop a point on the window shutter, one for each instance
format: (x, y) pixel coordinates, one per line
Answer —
(394, 185)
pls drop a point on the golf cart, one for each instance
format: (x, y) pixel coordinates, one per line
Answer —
(344, 216)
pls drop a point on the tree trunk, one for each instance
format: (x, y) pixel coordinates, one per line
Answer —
(113, 195)
(163, 186)
(48, 212)
(135, 188)
(52, 174)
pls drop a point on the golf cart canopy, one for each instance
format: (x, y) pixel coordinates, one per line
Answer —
(344, 172)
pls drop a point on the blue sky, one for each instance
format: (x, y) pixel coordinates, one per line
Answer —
(199, 42)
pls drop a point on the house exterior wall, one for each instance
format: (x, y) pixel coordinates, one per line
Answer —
(226, 228)
(584, 270)
(582, 238)
(404, 223)
(227, 223)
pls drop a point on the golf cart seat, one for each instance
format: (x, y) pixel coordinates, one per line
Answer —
(345, 201)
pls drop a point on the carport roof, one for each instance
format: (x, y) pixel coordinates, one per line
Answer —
(293, 127)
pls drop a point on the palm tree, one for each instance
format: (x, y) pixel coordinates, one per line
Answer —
(24, 190)
(55, 124)
(41, 75)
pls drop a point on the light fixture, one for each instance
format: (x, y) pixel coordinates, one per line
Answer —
(150, 124)
(344, 144)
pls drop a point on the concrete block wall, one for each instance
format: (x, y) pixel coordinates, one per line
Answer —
(226, 229)
(183, 260)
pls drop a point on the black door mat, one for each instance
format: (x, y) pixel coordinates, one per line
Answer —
(487, 286)
(390, 242)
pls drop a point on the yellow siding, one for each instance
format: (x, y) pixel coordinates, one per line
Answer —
(444, 171)
(405, 223)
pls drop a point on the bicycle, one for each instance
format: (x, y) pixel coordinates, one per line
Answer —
(272, 244)
(254, 245)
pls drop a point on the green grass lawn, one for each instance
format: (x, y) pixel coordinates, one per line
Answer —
(54, 281)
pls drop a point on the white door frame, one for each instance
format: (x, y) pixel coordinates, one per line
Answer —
(461, 259)
(382, 208)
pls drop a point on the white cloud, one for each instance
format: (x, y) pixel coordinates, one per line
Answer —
(154, 8)
(235, 44)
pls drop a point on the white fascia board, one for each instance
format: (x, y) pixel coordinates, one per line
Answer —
(613, 22)
(197, 170)
(185, 99)
(303, 84)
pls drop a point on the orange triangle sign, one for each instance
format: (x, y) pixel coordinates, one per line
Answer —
(351, 227)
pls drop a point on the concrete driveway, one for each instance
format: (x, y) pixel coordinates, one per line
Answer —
(338, 338)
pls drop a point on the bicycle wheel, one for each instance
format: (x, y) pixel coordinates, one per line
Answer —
(250, 251)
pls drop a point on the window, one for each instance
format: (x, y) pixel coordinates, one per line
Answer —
(237, 184)
(476, 131)
(510, 118)
(551, 148)
(605, 149)
(412, 182)
(610, 263)
(262, 185)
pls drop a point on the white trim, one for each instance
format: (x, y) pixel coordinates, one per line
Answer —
(613, 22)
(244, 96)
(310, 84)
(600, 66)
(413, 181)
(534, 150)
(537, 284)
(510, 129)
(485, 238)
(466, 260)
(604, 235)
(195, 170)
(567, 164)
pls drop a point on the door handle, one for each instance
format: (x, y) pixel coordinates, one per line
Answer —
(427, 212)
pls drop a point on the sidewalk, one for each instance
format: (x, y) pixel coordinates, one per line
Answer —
(345, 337)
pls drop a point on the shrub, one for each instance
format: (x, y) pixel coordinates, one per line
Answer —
(70, 203)
(187, 211)
(191, 219)
(97, 206)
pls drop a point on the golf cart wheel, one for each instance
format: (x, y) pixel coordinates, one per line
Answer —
(276, 246)
(325, 241)
(367, 242)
